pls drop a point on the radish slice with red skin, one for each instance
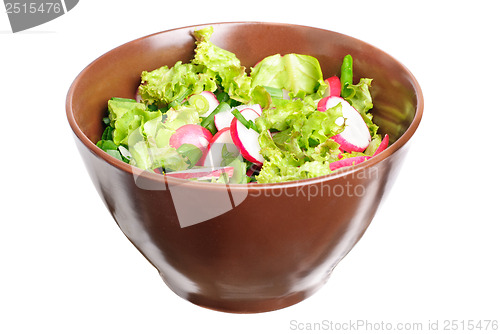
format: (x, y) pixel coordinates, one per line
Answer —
(247, 140)
(348, 162)
(383, 145)
(212, 102)
(223, 119)
(213, 154)
(334, 87)
(256, 107)
(356, 136)
(356, 160)
(202, 173)
(191, 134)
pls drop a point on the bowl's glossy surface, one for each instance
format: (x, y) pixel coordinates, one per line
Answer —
(244, 248)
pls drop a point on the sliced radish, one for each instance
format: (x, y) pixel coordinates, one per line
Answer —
(213, 154)
(223, 119)
(202, 173)
(383, 145)
(347, 162)
(247, 140)
(191, 134)
(212, 102)
(356, 136)
(333, 86)
(255, 107)
(356, 160)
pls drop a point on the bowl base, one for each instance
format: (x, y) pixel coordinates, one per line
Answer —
(246, 306)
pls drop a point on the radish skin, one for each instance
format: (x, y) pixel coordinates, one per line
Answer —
(191, 134)
(334, 87)
(212, 102)
(213, 154)
(202, 173)
(355, 136)
(247, 140)
(383, 145)
(223, 119)
(348, 162)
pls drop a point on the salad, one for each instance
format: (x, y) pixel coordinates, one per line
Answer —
(211, 120)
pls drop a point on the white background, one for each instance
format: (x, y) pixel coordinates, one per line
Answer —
(431, 253)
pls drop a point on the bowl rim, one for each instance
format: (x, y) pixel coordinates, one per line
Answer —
(394, 147)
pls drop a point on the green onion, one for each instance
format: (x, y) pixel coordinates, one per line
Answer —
(208, 122)
(178, 101)
(199, 102)
(248, 124)
(346, 74)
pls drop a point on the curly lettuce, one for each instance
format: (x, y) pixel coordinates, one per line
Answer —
(296, 143)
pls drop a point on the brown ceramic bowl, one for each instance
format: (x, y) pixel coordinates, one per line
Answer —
(244, 248)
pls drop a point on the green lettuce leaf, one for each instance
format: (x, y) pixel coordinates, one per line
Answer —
(165, 85)
(299, 74)
(146, 135)
(126, 116)
(360, 98)
(224, 64)
(300, 146)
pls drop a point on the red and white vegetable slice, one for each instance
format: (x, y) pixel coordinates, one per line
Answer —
(347, 162)
(356, 136)
(223, 119)
(383, 145)
(202, 173)
(212, 102)
(247, 140)
(334, 87)
(191, 134)
(255, 107)
(213, 154)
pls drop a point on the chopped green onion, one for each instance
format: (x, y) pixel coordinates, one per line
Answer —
(248, 124)
(199, 102)
(178, 101)
(346, 74)
(208, 122)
